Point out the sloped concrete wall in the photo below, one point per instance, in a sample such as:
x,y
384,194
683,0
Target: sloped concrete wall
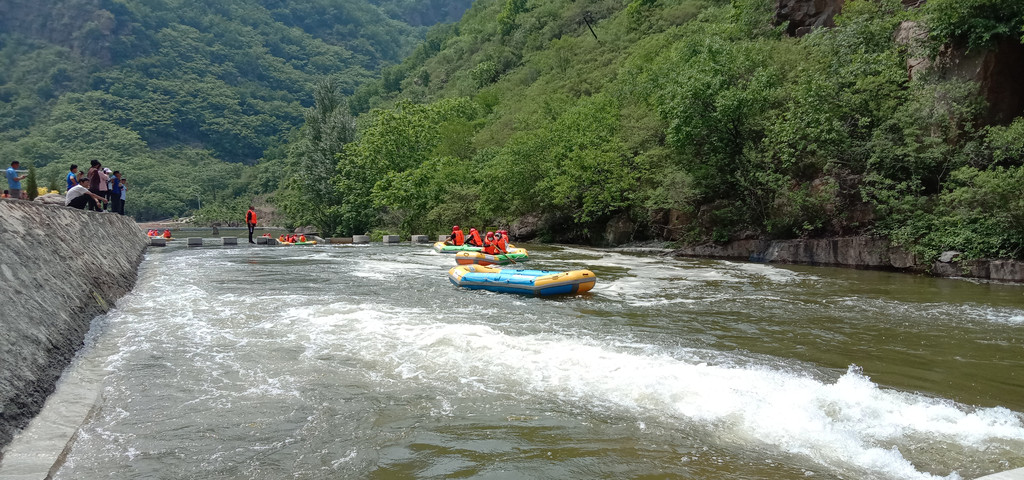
x,y
59,268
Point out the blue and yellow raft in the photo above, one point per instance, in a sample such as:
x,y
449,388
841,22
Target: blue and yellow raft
x,y
524,282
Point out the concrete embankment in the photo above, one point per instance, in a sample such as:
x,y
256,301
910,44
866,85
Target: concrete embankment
x,y
59,268
856,252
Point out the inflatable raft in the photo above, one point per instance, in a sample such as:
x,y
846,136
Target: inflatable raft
x,y
480,258
311,242
525,282
441,247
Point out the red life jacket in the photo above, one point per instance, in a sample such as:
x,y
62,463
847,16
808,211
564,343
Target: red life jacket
x,y
250,217
502,244
167,234
489,247
460,238
302,238
474,239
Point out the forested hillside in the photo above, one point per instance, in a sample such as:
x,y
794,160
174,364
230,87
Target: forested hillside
x,y
181,95
690,120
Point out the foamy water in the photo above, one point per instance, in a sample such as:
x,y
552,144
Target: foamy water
x,y
341,362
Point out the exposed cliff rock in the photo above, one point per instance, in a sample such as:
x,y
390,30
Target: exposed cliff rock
x,y
806,15
998,71
59,268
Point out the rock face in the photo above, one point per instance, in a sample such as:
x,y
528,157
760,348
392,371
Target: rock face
x,y
998,71
859,252
806,15
856,252
59,268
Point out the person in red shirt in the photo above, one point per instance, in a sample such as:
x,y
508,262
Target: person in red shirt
x,y
250,221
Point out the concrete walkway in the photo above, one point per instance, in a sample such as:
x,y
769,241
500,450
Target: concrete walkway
x,y
1015,474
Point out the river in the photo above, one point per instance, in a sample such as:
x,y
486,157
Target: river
x,y
365,362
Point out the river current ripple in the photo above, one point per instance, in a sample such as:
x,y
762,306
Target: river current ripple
x,y
365,362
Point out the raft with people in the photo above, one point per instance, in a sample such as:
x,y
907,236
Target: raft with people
x,y
155,233
294,240
516,255
523,282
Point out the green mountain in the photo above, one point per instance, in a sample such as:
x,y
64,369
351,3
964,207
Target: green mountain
x,y
169,90
694,120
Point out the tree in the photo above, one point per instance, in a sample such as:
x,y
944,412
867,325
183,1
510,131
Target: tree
x,y
313,161
31,183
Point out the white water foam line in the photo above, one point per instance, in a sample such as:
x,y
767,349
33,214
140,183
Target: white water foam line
x,y
848,422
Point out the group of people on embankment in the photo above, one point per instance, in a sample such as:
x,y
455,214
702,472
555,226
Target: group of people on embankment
x,y
493,243
100,190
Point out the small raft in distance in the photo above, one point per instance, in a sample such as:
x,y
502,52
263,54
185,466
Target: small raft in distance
x,y
311,242
523,282
480,258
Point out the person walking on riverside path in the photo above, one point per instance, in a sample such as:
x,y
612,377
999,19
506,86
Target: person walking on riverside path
x,y
250,221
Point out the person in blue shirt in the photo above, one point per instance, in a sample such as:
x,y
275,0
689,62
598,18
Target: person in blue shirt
x,y
13,180
73,176
115,193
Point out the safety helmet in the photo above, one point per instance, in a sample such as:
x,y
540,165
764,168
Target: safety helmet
x,y
455,227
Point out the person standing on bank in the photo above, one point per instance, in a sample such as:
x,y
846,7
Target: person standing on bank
x,y
72,177
14,181
94,179
115,193
250,221
79,196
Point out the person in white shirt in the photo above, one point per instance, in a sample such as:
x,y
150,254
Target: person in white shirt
x,y
79,196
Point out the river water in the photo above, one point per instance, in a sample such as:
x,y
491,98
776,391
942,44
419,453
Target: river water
x,y
365,362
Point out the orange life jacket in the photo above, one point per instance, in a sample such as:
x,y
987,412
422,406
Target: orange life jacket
x,y
502,244
167,234
250,217
302,238
489,246
474,239
460,238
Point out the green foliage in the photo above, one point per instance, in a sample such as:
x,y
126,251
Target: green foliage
x,y
312,161
32,183
133,83
974,24
694,110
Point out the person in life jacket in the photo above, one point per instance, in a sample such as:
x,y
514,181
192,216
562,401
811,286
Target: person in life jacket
x,y
488,244
474,238
283,239
457,238
501,242
250,221
302,238
167,233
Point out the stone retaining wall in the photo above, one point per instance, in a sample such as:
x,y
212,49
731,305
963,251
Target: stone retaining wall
x,y
855,252
59,269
